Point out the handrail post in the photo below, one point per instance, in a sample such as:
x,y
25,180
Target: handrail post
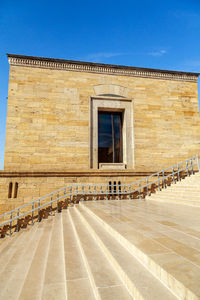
x,y
124,191
38,210
65,199
191,163
129,192
187,168
10,223
83,192
77,194
51,204
163,173
70,197
17,229
173,175
120,190
178,168
32,212
148,186
95,195
140,191
159,182
101,190
89,191
57,202
197,157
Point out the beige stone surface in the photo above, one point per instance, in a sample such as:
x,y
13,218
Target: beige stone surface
x,y
125,249
31,187
154,233
48,119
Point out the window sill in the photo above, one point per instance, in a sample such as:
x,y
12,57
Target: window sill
x,y
112,166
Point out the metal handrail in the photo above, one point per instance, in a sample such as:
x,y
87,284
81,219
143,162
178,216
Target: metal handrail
x,y
98,189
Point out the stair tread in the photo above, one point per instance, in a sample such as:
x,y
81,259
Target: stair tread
x,y
78,283
145,283
54,269
108,212
8,246
32,287
104,277
74,265
19,264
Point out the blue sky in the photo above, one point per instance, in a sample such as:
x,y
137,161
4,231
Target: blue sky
x,y
145,33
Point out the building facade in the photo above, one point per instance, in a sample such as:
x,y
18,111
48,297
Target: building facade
x,y
77,122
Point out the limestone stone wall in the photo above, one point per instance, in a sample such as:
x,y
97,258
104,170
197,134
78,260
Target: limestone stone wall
x,y
48,119
31,188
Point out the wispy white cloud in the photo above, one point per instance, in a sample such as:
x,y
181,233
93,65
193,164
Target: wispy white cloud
x,y
190,19
158,53
192,65
100,55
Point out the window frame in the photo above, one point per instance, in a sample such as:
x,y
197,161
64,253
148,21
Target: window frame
x,y
112,103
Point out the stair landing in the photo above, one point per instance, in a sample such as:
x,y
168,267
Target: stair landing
x,y
106,250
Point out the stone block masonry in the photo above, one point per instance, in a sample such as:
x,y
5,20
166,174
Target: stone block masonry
x,y
50,122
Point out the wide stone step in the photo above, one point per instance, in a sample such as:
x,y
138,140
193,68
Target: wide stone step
x,y
181,195
176,264
33,283
105,281
19,264
78,282
13,245
139,281
176,201
54,283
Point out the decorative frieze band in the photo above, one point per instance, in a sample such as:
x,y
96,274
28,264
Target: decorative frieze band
x,y
96,68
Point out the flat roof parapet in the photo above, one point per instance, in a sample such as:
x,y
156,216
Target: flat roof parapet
x,y
91,67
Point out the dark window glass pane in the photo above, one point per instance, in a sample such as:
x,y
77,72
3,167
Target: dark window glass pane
x,y
109,137
105,148
117,138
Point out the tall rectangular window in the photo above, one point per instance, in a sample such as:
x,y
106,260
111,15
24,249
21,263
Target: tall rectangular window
x,y
110,137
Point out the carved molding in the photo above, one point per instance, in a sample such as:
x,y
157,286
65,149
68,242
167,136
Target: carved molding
x,y
92,68
111,89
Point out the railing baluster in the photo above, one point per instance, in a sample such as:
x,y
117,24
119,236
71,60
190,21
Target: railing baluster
x,y
198,165
83,192
38,210
76,194
95,195
129,192
32,212
101,191
178,169
17,229
10,223
191,163
140,191
65,199
163,173
51,209
147,186
173,175
57,202
187,168
70,197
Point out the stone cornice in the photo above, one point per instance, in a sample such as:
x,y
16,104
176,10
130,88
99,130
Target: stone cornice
x,y
78,66
88,173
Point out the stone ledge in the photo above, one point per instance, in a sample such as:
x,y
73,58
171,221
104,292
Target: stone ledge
x,y
89,67
99,173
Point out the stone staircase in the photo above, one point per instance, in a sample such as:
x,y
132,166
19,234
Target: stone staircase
x,y
186,192
115,249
